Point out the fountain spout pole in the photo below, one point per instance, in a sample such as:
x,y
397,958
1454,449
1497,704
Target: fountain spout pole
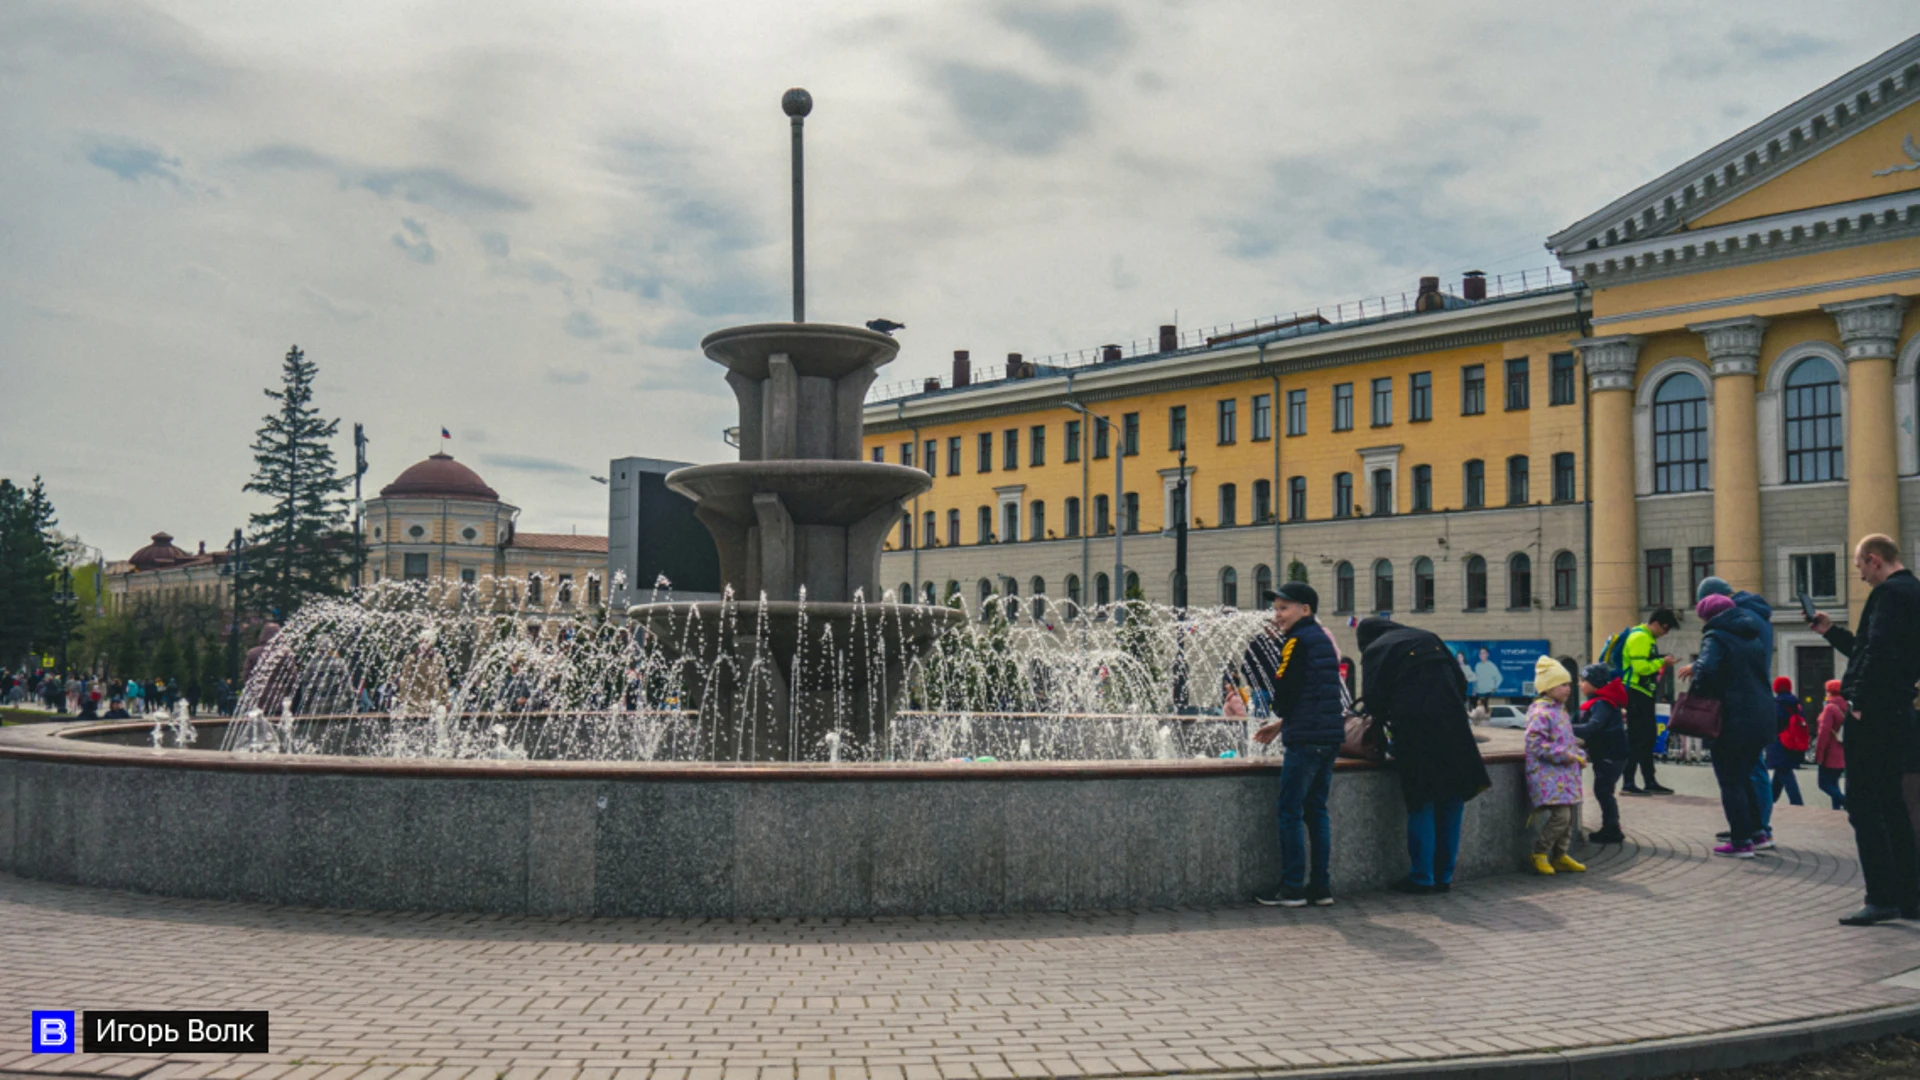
x,y
797,103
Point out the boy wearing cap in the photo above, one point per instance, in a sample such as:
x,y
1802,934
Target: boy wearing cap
x,y
1603,729
1310,724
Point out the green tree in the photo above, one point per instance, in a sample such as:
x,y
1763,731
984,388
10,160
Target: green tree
x,y
29,568
1297,571
298,548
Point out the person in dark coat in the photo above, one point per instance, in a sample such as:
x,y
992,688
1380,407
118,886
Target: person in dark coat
x,y
1780,760
1411,684
1884,663
1732,668
1308,701
1603,728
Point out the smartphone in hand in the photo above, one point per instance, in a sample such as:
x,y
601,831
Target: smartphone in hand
x,y
1806,607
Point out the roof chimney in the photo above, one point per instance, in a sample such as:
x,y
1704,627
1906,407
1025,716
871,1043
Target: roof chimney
x,y
1017,367
1169,337
1474,285
203,547
1109,354
962,369
1429,298
932,385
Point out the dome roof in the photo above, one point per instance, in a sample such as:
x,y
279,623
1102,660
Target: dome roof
x,y
159,553
440,477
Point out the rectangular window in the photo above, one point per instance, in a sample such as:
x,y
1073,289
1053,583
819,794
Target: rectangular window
x,y
1382,402
566,588
983,525
1813,574
953,456
1177,427
1229,504
1561,390
927,534
906,454
1296,412
1517,480
1296,498
1563,486
1473,390
1423,487
953,528
1073,518
593,590
1659,577
1343,407
1343,494
1038,514
1102,432
1517,383
416,566
1420,396
1037,446
878,453
1009,522
1072,449
1262,417
534,584
1130,434
1474,495
468,576
1382,492
1010,452
1262,501
1699,568
984,453
1102,515
906,532
1227,419
931,457
1133,511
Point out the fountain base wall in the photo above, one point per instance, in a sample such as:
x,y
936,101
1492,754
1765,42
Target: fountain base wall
x,y
694,841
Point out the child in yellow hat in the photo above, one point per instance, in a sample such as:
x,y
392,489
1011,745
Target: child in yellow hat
x,y
1553,766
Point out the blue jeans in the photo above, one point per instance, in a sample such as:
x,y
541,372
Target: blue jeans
x,y
1830,783
1433,841
1762,785
1306,775
1734,767
1783,779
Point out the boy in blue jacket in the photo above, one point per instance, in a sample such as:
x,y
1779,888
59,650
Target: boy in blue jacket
x,y
1311,725
1603,728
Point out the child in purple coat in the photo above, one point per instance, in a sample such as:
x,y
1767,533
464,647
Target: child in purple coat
x,y
1553,767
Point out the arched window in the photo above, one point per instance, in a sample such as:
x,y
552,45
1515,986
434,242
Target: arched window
x,y
905,595
1262,581
1680,434
1133,583
1383,586
1476,583
1229,587
1519,581
1102,590
1037,588
928,596
1010,599
1566,580
986,599
953,588
1423,584
1813,422
1343,588
1073,590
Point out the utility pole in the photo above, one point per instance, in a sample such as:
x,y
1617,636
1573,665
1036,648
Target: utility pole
x,y
359,507
232,569
797,103
1180,537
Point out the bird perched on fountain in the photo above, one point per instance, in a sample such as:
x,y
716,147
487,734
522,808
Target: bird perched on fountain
x,y
885,326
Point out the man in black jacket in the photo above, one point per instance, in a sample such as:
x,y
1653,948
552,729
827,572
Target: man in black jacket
x,y
1883,664
1311,725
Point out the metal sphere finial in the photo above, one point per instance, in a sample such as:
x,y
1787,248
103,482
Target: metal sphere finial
x,y
796,102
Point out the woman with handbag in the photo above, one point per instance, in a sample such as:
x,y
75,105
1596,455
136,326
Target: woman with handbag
x,y
1732,670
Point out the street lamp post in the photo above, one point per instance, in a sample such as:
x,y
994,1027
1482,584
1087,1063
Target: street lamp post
x,y
66,599
232,569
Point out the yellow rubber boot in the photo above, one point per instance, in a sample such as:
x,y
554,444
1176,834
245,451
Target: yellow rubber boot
x,y
1541,865
1565,862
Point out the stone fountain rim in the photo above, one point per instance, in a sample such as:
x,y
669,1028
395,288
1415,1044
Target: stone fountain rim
x,y
63,744
723,346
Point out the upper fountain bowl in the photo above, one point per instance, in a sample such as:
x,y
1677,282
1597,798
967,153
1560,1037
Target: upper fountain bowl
x,y
824,350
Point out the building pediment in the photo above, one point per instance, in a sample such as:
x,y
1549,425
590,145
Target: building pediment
x,y
1747,176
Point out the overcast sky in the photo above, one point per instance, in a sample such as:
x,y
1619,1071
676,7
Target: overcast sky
x,y
517,220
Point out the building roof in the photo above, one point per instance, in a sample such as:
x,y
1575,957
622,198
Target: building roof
x,y
559,542
160,552
440,477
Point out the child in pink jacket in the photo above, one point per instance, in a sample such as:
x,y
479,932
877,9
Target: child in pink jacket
x,y
1553,766
1828,755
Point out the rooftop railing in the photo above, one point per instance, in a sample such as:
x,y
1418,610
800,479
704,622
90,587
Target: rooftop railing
x,y
1302,322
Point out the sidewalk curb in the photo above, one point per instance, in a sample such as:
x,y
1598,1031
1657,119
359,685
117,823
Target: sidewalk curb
x,y
1648,1060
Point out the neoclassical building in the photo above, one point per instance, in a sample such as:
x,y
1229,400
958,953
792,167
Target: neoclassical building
x,y
1751,363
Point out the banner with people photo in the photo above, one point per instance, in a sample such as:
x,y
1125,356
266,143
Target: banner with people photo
x,y
1499,668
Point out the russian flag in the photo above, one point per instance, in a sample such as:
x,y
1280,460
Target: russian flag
x,y
445,434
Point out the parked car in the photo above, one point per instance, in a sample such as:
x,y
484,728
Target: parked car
x,y
1507,716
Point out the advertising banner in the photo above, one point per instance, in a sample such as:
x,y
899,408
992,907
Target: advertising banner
x,y
1499,668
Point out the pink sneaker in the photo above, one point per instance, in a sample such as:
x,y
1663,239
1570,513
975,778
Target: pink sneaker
x,y
1763,842
1732,850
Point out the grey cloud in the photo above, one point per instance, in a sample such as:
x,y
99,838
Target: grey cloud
x,y
131,160
646,287
583,325
1081,35
1006,109
566,378
429,186
339,310
495,244
412,239
1773,47
524,463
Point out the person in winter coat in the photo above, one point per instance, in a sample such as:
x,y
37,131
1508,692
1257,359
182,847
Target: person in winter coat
x,y
1603,728
1732,669
1411,684
1829,756
1553,767
1762,780
1790,731
1307,698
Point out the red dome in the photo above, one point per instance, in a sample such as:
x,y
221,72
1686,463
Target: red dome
x,y
440,477
159,553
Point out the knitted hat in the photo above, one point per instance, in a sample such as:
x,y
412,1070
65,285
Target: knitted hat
x,y
1549,673
1712,586
1713,605
1300,593
1597,675
1783,685
1833,687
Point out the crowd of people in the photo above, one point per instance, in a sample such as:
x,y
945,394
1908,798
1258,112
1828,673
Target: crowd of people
x,y
86,696
1414,705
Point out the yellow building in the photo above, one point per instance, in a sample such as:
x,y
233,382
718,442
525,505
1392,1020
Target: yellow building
x,y
1423,462
1752,360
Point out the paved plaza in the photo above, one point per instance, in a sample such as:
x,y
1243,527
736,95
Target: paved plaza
x,y
1658,940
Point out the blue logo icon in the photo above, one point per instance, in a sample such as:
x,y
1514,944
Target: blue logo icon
x,y
53,1031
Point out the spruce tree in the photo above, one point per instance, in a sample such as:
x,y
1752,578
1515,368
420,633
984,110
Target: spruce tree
x,y
297,548
29,569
